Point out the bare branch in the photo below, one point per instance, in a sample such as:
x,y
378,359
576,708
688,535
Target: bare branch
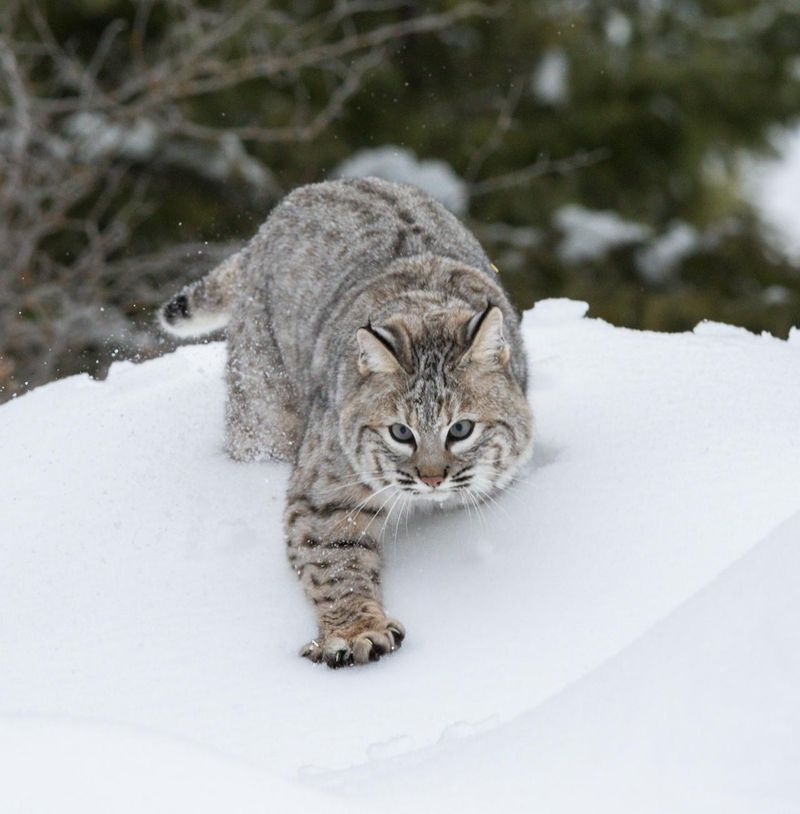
x,y
541,167
209,79
299,133
80,141
505,119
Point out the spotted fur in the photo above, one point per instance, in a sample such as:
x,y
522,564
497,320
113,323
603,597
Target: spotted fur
x,y
360,305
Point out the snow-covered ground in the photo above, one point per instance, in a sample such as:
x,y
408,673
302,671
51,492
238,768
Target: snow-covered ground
x,y
618,633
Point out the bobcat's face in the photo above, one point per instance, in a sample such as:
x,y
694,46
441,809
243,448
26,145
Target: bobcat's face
x,y
438,415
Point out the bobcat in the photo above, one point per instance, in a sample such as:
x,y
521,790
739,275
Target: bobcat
x,y
371,345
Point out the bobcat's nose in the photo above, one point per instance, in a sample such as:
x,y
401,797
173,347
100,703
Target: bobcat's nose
x,y
432,478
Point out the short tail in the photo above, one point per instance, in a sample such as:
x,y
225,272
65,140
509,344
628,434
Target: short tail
x,y
203,306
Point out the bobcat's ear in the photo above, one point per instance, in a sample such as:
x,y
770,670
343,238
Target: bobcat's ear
x,y
376,352
486,341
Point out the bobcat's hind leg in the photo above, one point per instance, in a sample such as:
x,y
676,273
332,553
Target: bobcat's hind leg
x,y
261,418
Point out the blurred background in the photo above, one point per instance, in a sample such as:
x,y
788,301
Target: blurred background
x,y
640,155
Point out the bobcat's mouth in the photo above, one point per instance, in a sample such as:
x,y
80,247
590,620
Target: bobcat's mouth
x,y
438,496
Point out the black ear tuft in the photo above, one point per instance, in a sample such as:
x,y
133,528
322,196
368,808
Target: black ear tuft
x,y
176,309
384,336
376,350
487,343
475,322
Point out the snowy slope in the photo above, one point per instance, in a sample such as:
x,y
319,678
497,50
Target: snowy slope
x,y
621,626
699,715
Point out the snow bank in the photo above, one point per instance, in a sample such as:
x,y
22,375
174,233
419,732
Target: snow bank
x,y
589,234
393,163
618,632
772,184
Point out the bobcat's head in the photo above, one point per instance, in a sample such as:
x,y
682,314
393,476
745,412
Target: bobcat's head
x,y
437,412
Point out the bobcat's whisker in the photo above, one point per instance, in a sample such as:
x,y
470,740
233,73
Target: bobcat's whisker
x,y
478,509
341,484
486,494
360,507
397,499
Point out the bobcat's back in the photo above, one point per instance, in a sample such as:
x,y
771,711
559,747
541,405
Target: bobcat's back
x,y
326,242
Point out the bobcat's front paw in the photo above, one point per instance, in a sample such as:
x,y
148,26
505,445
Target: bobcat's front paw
x,y
340,648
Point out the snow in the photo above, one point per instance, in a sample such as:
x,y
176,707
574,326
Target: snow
x,y
102,768
618,28
772,184
393,163
590,234
550,80
698,715
98,138
618,632
656,261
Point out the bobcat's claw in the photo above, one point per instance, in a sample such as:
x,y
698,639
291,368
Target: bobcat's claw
x,y
368,645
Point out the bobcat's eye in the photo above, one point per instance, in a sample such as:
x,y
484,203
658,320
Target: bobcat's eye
x,y
401,433
461,430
